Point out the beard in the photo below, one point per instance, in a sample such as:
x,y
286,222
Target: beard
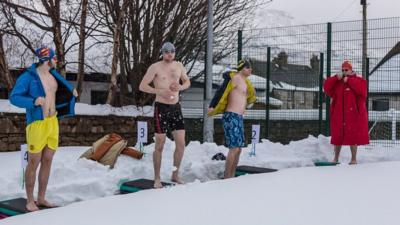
x,y
52,64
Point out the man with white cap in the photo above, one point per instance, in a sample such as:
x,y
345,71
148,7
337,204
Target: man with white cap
x,y
166,76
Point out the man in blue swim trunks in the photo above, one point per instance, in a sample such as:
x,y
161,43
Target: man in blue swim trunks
x,y
239,96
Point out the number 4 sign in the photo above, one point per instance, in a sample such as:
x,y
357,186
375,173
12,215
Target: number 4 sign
x,y
24,156
24,162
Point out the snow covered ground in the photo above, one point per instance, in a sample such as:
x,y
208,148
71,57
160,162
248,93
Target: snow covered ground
x,y
86,109
79,180
366,194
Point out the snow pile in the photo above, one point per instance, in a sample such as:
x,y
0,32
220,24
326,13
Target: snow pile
x,y
77,180
347,195
86,109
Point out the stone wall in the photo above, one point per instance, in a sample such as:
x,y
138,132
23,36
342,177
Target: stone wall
x,y
77,131
84,130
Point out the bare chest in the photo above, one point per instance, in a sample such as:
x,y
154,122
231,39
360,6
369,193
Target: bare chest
x,y
49,83
168,74
241,88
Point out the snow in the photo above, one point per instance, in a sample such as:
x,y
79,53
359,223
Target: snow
x,y
272,101
77,180
386,78
105,110
298,193
86,109
217,70
147,111
289,87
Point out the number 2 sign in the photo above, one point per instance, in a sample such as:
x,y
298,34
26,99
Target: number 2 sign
x,y
255,133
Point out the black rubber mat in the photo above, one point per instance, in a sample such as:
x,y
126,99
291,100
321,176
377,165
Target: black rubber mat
x,y
254,170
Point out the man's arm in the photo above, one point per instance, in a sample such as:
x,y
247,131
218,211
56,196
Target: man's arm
x,y
185,79
235,81
330,83
147,79
19,94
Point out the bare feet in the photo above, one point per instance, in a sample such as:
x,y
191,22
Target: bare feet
x,y
352,162
157,183
177,180
31,207
45,203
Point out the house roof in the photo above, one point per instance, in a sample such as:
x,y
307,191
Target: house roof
x,y
386,77
296,75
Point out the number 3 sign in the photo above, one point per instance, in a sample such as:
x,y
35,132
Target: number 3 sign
x,y
142,131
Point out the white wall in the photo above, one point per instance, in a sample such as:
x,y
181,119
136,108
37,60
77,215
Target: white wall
x,y
88,87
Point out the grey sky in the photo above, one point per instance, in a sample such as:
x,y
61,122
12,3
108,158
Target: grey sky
x,y
321,11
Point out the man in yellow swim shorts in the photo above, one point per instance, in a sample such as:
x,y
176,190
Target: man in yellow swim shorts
x,y
47,97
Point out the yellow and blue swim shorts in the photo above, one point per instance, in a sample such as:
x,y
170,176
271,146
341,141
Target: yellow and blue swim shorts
x,y
42,133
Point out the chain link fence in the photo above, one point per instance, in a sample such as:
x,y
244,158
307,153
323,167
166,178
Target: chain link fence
x,y
290,64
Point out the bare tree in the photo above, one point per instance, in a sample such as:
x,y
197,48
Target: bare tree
x,y
82,38
48,22
134,29
120,18
152,22
4,71
5,74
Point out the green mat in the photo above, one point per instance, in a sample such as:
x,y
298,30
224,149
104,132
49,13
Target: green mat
x,y
242,170
13,207
138,185
325,163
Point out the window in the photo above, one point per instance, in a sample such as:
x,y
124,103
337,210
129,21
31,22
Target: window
x,y
3,93
98,97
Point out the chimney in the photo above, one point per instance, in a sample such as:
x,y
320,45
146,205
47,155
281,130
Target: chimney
x,y
314,63
281,60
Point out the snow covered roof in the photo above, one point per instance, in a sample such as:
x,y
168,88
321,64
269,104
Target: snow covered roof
x,y
386,79
272,101
257,81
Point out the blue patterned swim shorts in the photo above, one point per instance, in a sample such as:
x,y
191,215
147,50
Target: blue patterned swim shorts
x,y
234,130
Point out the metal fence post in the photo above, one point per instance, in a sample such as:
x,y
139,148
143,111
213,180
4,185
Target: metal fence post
x,y
267,88
208,122
321,94
367,78
240,45
328,74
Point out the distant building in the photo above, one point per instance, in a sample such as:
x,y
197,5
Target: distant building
x,y
296,86
94,89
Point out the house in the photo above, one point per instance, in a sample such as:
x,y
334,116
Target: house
x,y
296,86
384,85
194,96
94,87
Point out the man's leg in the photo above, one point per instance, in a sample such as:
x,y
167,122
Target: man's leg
x,y
179,137
337,153
235,163
44,173
157,155
353,149
30,177
230,162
